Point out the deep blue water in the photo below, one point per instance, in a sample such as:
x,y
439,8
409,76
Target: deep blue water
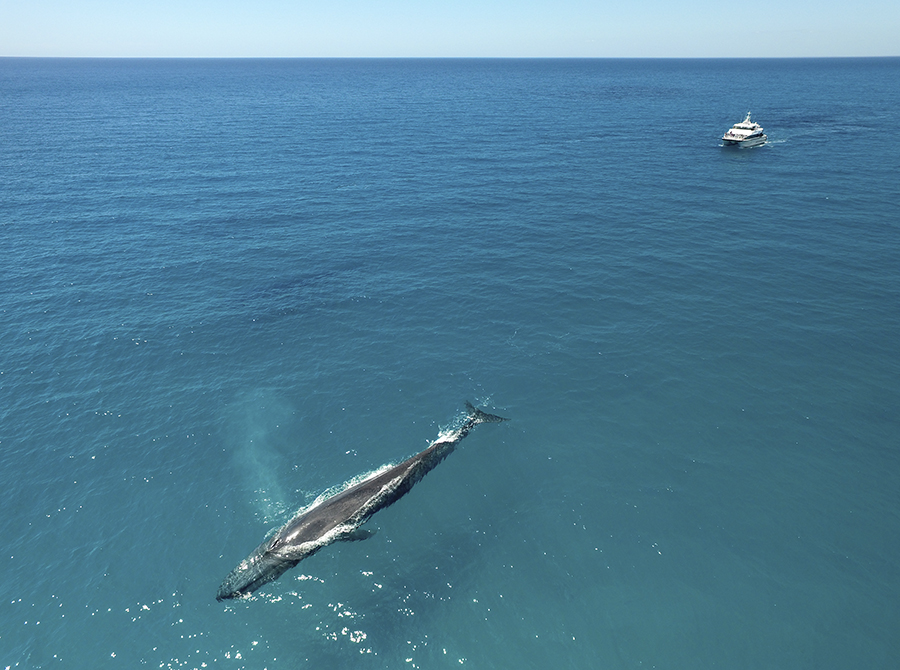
x,y
228,286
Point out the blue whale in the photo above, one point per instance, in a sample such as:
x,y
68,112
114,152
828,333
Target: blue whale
x,y
340,516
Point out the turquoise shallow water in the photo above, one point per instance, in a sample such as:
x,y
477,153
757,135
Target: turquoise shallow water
x,y
228,286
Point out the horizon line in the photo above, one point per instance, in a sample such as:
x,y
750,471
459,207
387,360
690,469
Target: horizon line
x,y
448,57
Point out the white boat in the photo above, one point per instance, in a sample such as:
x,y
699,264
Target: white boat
x,y
744,134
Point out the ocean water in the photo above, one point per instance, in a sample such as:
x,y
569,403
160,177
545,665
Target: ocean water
x,y
228,286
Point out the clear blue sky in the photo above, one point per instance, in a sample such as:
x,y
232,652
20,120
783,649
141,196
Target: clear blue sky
x,y
425,28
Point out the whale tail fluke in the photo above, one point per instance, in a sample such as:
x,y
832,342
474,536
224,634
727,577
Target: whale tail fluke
x,y
482,417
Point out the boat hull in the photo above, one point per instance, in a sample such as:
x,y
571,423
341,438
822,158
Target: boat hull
x,y
747,143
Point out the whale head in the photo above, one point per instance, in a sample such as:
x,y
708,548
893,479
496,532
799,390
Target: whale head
x,y
264,565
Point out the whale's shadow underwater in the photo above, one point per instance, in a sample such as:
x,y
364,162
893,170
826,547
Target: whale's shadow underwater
x,y
340,516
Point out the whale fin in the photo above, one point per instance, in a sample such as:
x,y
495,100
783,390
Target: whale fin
x,y
357,535
482,417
